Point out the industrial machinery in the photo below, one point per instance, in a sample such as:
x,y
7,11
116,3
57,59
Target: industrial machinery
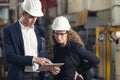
x,y
108,50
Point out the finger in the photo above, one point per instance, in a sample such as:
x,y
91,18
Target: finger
x,y
48,61
56,68
43,62
54,72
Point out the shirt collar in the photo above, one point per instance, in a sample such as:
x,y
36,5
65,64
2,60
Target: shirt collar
x,y
25,28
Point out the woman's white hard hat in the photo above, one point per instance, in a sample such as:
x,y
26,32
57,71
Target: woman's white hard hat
x,y
33,7
61,23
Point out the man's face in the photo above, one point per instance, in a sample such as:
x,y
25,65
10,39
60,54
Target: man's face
x,y
29,20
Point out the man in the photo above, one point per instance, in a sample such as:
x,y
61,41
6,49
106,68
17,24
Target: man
x,y
22,44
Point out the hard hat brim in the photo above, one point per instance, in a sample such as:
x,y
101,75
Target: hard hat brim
x,y
36,14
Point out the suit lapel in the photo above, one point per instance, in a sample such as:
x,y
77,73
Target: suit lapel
x,y
38,38
19,34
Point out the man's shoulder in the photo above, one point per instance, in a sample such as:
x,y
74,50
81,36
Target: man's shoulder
x,y
12,25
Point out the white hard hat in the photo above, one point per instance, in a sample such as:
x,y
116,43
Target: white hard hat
x,y
61,23
33,7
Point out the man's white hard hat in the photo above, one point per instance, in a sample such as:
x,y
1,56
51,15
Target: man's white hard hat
x,y
33,7
61,23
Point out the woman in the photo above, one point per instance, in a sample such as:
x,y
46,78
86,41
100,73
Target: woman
x,y
68,49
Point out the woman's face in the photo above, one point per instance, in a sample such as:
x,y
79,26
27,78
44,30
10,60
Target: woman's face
x,y
60,36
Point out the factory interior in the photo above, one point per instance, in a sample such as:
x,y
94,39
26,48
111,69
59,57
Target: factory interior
x,y
96,21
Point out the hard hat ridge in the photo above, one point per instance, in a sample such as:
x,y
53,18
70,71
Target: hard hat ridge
x,y
33,7
61,23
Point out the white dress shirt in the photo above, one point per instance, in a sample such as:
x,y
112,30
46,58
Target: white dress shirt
x,y
30,45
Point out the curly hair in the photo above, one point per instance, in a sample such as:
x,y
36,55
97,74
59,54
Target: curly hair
x,y
72,36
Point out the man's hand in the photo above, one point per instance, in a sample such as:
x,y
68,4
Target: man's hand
x,y
41,60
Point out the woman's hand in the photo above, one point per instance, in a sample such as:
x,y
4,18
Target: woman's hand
x,y
78,75
55,70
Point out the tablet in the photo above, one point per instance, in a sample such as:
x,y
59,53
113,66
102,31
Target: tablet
x,y
47,67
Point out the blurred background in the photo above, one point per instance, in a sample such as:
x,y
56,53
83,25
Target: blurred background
x,y
96,21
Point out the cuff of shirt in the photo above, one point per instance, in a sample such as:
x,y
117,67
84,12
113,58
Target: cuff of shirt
x,y
33,59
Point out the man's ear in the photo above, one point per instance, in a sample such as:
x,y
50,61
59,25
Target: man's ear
x,y
23,13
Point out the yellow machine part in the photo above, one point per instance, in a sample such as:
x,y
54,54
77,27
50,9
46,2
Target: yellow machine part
x,y
103,51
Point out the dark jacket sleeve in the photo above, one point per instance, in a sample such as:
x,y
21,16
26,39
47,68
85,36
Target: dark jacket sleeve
x,y
87,58
12,48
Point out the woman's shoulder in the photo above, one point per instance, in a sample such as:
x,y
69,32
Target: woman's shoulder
x,y
75,44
